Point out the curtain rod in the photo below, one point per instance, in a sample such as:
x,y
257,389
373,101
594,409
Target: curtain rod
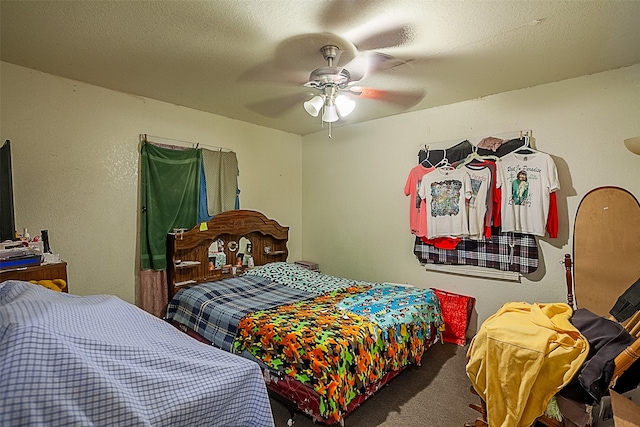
x,y
475,140
147,137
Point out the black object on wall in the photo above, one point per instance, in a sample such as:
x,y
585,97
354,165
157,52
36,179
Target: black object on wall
x,y
463,149
7,217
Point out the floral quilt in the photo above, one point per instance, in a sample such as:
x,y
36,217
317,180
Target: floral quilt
x,y
336,352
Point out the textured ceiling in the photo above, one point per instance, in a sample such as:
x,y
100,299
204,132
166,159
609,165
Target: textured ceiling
x,y
248,60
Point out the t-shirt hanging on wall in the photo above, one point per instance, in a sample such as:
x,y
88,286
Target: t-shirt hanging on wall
x,y
478,202
444,192
526,180
417,216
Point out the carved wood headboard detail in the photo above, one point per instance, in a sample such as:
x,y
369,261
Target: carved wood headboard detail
x,y
188,252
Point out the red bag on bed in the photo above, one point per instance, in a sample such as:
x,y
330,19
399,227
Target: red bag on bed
x,y
456,313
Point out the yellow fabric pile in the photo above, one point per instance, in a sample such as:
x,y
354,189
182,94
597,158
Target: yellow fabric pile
x,y
55,285
521,357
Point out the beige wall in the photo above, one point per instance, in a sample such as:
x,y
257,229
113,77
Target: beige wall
x,y
355,214
75,150
75,157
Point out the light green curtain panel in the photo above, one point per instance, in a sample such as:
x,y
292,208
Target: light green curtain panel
x,y
169,199
221,176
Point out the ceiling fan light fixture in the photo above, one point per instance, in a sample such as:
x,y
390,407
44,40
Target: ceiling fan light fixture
x,y
330,114
314,105
345,105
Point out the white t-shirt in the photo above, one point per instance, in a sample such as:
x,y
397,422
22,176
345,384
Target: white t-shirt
x,y
444,192
526,180
477,204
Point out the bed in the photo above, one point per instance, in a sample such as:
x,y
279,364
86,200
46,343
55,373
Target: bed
x,y
324,344
70,360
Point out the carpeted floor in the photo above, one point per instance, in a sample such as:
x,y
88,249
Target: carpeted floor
x,y
435,394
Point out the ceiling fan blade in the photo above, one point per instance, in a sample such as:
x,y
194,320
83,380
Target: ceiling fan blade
x,y
343,16
304,51
396,36
404,99
340,14
369,63
276,107
353,90
270,72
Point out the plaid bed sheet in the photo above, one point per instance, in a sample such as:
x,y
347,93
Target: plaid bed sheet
x,y
504,251
214,309
76,361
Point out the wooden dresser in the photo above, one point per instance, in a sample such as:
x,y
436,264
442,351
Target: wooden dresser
x,y
38,272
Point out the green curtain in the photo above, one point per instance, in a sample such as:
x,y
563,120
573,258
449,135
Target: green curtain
x,y
169,199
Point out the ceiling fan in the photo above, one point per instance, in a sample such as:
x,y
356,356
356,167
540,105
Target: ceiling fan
x,y
330,81
337,84
334,88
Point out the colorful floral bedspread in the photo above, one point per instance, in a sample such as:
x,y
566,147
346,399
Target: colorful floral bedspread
x,y
392,306
337,353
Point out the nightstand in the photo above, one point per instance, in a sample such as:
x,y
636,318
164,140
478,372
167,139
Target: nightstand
x,y
52,271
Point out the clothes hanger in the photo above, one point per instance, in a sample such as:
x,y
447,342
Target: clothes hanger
x,y
526,147
444,164
475,156
426,159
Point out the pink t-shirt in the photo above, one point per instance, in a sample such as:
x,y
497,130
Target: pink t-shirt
x,y
417,213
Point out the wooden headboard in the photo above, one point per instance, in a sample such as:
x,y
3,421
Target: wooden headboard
x,y
188,252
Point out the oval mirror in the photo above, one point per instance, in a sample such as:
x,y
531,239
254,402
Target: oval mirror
x,y
245,246
213,249
232,245
606,248
245,250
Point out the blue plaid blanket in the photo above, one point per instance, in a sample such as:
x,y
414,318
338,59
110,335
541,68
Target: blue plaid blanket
x,y
214,309
98,361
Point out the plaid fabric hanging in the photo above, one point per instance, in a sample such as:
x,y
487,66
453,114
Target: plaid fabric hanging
x,y
503,251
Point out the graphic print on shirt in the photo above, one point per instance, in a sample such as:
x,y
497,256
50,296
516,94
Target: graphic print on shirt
x,y
527,183
445,197
476,183
519,177
418,198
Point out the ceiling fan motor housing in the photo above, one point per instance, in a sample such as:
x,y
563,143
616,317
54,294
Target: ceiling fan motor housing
x,y
329,76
